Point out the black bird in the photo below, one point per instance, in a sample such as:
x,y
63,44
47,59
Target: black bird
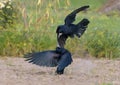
x,y
60,57
69,29
51,58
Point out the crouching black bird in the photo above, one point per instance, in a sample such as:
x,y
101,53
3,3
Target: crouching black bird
x,y
51,58
69,29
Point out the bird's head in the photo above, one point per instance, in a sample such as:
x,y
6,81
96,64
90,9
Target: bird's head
x,y
60,29
60,50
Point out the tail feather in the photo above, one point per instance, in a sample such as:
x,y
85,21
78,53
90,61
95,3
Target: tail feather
x,y
82,25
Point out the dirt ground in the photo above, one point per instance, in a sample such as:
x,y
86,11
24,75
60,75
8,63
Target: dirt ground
x,y
16,71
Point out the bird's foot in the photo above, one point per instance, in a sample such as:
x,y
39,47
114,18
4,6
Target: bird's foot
x,y
59,72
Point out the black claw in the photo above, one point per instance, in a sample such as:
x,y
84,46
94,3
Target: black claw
x,y
59,72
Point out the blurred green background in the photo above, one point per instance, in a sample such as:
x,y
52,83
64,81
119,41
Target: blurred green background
x,y
30,25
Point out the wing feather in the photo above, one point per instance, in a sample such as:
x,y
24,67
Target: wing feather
x,y
71,17
45,58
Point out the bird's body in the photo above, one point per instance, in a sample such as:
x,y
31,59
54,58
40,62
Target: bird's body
x,y
69,29
51,58
61,57
64,61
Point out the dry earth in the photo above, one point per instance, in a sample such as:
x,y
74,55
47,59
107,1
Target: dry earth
x,y
109,6
16,71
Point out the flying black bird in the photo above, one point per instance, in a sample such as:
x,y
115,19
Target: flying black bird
x,y
69,29
51,58
60,57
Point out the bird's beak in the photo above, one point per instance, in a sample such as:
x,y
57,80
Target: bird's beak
x,y
59,34
58,45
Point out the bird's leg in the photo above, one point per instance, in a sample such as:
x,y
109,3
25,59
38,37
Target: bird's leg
x,y
58,71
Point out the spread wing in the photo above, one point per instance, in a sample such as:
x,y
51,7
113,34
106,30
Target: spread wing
x,y
71,17
45,58
61,39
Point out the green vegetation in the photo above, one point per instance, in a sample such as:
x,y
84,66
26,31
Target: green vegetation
x,y
103,43
8,15
106,84
34,29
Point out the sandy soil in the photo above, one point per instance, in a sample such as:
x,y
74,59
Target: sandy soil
x,y
16,71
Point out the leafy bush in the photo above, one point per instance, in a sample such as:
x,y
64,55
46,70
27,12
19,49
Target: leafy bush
x,y
103,43
36,30
8,14
35,33
18,43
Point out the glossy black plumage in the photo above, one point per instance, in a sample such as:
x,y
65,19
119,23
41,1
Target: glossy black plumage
x,y
65,60
44,58
71,17
69,29
59,57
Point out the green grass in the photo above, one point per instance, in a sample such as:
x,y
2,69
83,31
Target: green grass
x,y
36,32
